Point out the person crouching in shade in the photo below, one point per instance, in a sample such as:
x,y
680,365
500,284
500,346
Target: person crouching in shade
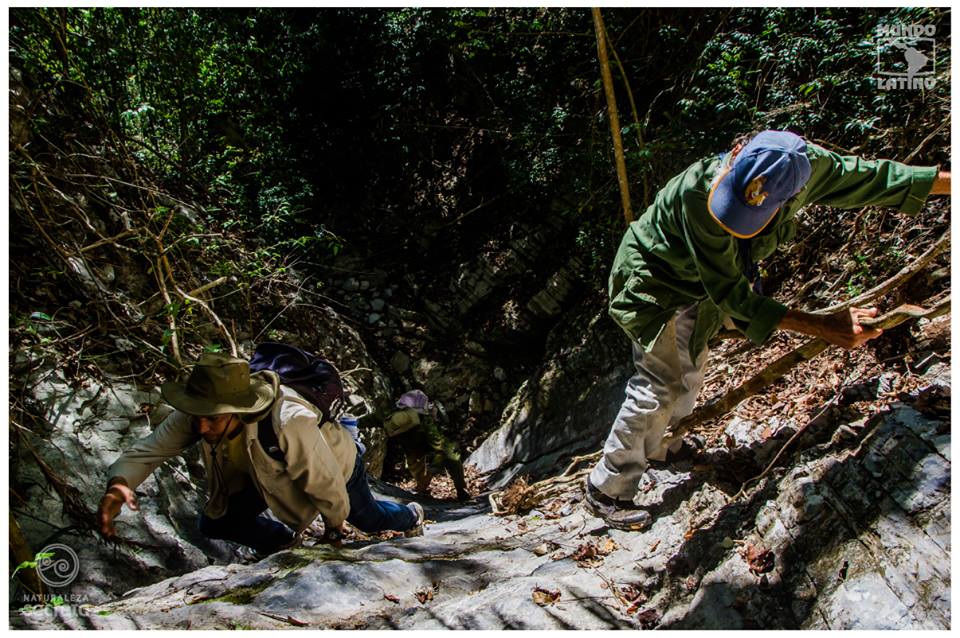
x,y
221,407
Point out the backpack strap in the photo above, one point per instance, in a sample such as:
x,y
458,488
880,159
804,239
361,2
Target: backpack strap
x,y
267,436
267,433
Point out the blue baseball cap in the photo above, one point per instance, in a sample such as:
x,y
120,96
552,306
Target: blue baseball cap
x,y
767,172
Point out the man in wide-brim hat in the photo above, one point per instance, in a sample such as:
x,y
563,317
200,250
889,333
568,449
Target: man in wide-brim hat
x,y
221,406
688,265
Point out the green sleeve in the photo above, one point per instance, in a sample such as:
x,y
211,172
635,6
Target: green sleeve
x,y
714,253
846,181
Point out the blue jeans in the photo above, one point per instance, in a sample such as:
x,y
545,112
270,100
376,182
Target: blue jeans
x,y
370,515
242,523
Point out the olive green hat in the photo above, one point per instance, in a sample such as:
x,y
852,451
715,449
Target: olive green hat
x,y
219,384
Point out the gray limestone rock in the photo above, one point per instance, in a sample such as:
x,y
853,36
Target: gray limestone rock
x,y
658,486
564,408
845,532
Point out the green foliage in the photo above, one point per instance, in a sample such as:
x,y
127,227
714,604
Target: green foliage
x,y
307,128
808,70
32,564
202,95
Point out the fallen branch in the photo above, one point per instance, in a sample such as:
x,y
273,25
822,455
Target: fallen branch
x,y
287,619
205,287
110,240
867,297
213,316
897,280
787,362
527,496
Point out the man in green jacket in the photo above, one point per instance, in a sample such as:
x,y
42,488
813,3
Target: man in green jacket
x,y
687,264
221,407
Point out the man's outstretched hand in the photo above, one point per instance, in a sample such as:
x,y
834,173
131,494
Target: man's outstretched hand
x,y
941,186
118,494
841,328
845,330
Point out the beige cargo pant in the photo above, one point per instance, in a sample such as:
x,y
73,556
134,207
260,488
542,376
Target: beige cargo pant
x,y
663,391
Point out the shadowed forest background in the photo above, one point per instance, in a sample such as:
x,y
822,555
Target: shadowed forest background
x,y
427,197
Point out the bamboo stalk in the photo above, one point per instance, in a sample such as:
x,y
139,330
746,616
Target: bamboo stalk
x,y
636,116
612,112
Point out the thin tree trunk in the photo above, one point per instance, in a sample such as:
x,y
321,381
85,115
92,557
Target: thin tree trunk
x,y
636,118
612,111
20,552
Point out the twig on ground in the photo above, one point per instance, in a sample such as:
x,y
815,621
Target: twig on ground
x,y
897,280
787,362
205,287
346,373
780,452
287,619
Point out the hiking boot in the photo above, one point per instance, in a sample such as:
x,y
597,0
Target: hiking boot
x,y
690,447
417,529
293,543
615,512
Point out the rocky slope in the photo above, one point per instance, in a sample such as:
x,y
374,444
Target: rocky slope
x,y
852,530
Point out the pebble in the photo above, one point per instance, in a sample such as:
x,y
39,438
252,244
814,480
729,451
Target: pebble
x,y
400,362
377,304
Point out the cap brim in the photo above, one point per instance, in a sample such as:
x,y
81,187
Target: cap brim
x,y
257,399
736,218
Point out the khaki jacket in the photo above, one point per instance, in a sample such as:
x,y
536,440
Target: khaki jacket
x,y
311,480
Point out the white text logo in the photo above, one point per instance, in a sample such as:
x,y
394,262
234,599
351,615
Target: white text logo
x,y
906,56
